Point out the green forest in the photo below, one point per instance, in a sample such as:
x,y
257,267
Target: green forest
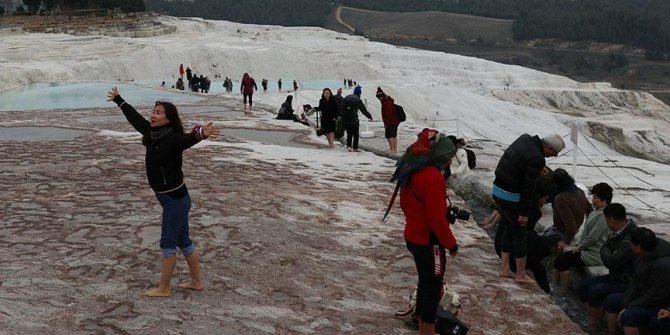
x,y
33,6
275,12
639,23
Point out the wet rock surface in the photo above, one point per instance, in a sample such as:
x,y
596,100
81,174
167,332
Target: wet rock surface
x,y
290,240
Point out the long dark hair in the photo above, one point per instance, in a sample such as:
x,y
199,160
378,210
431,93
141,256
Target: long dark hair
x,y
172,115
323,94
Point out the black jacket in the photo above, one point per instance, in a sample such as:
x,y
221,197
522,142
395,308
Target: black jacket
x,y
617,256
519,167
651,283
164,155
351,104
329,109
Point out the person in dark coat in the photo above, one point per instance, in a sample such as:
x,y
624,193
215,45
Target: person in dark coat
x,y
286,109
390,120
617,256
570,206
351,104
329,114
247,88
165,141
538,246
650,287
515,176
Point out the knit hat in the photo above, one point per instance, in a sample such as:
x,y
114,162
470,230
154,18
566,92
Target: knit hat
x,y
380,92
358,90
554,141
431,148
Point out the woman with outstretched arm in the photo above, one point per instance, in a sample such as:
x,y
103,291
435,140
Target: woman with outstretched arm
x,y
165,141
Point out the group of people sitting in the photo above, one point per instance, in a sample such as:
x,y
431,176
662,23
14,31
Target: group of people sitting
x,y
634,294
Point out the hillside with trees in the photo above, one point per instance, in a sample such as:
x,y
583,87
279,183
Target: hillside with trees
x,y
34,6
638,23
275,12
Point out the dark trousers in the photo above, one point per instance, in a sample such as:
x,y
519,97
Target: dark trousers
x,y
514,237
430,263
245,98
566,260
594,290
352,134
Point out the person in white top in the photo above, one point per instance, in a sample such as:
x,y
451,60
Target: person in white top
x,y
459,165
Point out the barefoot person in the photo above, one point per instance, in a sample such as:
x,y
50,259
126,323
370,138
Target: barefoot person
x,y
515,176
165,141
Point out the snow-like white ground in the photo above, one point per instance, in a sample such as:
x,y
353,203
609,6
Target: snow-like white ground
x,y
359,275
436,89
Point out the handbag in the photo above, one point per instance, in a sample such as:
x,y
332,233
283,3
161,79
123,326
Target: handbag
x,y
448,324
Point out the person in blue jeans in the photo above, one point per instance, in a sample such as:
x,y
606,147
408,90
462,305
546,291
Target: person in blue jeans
x,y
165,141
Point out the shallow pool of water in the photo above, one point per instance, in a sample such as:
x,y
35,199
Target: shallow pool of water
x,y
40,134
47,96
283,138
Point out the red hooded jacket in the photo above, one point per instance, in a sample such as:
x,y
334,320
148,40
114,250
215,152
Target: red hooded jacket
x,y
248,84
388,111
423,199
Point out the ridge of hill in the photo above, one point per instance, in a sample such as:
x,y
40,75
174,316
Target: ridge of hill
x,y
492,39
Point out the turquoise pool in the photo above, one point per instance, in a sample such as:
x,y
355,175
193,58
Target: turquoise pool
x,y
48,96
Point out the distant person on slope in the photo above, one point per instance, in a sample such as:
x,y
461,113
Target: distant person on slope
x,y
165,141
515,176
247,88
181,70
351,104
279,84
390,120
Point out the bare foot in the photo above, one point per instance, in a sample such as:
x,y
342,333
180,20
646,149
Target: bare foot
x,y
191,286
157,293
507,275
524,280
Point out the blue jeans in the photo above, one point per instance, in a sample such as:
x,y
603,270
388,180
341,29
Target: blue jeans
x,y
174,227
594,290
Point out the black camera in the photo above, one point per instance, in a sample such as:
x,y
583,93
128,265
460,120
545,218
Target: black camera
x,y
454,213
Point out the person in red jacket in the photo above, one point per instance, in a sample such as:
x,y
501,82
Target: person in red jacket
x,y
390,120
423,199
247,88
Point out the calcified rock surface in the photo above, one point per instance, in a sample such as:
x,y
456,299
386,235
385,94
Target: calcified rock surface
x,y
290,239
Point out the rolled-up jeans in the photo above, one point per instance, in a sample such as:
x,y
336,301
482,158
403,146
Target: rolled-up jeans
x,y
514,236
174,227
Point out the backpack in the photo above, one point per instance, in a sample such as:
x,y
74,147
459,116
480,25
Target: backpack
x,y
348,113
400,113
472,159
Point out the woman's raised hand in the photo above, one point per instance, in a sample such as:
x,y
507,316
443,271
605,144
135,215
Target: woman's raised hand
x,y
112,94
210,131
